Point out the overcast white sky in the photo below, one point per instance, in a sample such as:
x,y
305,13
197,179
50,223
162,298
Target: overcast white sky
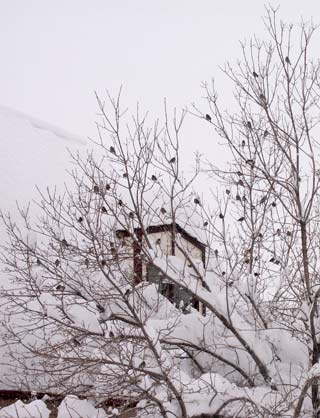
x,y
54,54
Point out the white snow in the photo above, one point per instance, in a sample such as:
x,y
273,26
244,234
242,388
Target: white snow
x,y
73,407
32,153
34,409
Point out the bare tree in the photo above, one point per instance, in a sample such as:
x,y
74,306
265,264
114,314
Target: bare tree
x,y
105,305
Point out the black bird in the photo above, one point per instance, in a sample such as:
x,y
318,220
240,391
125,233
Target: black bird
x,y
112,150
239,173
228,191
205,224
243,143
76,342
142,365
158,242
111,334
173,160
196,201
244,198
108,187
289,233
80,219
57,262
265,134
256,274
120,202
223,273
287,60
255,74
100,308
38,262
241,219
260,235
103,263
125,175
131,215
238,197
103,209
262,97
96,189
272,260
216,253
273,204
277,262
64,243
153,177
263,200
221,216
249,125
240,183
127,293
208,117
278,232
60,287
86,262
163,211
250,161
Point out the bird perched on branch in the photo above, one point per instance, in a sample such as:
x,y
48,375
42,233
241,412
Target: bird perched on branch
x,y
196,201
163,211
241,219
208,117
112,150
255,75
153,177
287,60
173,160
249,125
64,243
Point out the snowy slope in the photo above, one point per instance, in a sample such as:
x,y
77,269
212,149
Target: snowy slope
x,y
31,153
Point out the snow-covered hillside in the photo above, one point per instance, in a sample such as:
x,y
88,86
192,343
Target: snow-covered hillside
x,y
32,153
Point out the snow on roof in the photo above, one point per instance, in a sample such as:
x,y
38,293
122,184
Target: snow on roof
x,y
151,229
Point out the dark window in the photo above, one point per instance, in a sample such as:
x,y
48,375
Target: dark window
x,y
176,294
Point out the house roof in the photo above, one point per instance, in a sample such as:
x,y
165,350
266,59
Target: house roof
x,y
152,229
